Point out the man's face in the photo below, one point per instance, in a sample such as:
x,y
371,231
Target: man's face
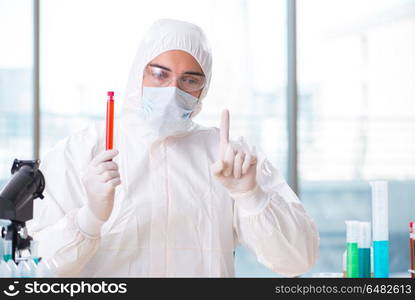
x,y
177,62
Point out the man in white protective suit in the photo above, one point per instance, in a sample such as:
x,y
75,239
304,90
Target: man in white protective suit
x,y
174,199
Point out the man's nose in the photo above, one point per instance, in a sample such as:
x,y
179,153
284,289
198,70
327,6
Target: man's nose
x,y
174,83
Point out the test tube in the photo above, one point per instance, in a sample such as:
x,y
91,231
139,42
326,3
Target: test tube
x,y
352,260
364,242
7,253
110,121
3,224
380,228
412,248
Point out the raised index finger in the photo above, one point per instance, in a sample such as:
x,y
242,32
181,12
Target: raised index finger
x,y
224,128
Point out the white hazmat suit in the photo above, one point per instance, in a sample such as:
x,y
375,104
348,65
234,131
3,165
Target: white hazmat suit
x,y
171,217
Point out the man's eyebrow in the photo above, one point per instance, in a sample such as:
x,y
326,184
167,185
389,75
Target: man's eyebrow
x,y
194,73
187,72
159,66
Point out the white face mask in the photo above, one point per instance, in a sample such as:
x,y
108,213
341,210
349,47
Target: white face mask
x,y
167,110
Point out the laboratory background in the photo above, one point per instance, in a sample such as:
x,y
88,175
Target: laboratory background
x,y
326,88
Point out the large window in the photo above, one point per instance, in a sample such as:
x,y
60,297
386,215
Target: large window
x,y
356,70
16,97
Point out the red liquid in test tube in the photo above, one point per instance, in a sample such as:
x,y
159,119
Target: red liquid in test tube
x,y
110,122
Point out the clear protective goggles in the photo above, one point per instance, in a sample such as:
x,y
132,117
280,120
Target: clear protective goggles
x,y
188,82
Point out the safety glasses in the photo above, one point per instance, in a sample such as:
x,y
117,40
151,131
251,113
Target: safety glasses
x,y
188,82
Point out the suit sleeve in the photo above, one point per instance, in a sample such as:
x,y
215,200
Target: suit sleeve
x,y
272,223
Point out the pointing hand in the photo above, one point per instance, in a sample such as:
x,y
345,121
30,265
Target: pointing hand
x,y
235,169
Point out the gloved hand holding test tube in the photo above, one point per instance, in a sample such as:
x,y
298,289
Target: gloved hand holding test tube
x,y
102,175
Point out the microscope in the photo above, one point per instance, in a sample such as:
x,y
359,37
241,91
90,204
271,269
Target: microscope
x,y
16,203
